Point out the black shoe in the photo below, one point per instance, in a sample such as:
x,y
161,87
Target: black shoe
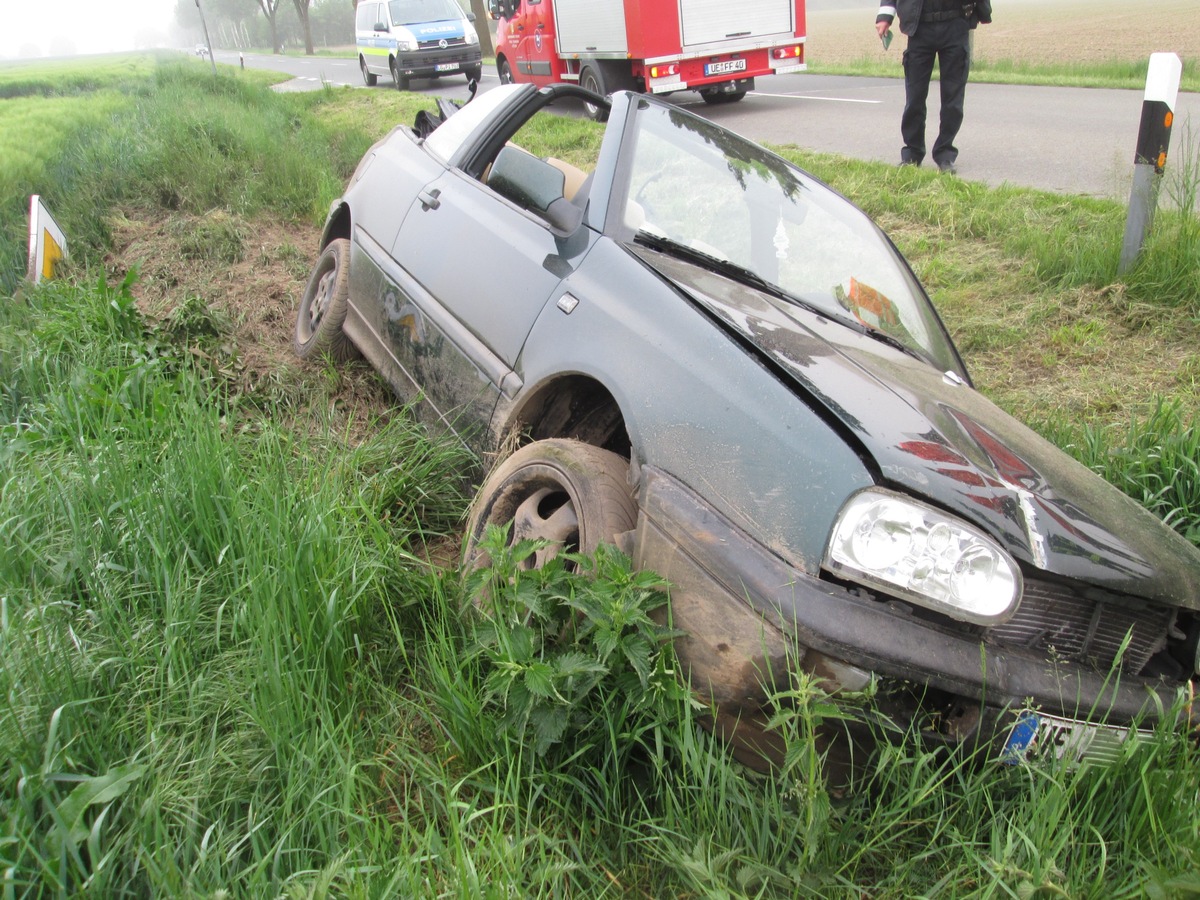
x,y
915,163
947,168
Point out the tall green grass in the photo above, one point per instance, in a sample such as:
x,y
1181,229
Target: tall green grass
x,y
194,677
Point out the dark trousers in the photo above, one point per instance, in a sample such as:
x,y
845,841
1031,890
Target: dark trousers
x,y
950,43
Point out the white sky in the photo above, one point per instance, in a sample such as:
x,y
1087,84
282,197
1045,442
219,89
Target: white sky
x,y
62,27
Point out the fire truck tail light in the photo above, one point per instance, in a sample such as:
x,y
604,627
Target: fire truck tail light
x,y
663,71
788,52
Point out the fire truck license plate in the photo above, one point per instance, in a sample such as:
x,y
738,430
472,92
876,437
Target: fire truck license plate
x,y
729,65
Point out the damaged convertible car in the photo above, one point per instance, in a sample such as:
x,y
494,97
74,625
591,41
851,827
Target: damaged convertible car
x,y
708,357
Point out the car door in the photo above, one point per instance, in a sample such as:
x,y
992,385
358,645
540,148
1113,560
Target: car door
x,y
534,26
477,270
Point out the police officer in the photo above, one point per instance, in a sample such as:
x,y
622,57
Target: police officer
x,y
938,29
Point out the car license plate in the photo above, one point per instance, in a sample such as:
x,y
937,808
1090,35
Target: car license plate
x,y
1036,735
729,65
446,67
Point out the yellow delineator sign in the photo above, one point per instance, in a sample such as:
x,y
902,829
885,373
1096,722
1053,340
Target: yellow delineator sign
x,y
47,243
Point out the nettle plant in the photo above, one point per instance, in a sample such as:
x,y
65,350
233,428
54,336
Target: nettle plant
x,y
572,645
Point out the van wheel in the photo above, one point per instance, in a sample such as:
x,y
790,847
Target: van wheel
x,y
504,70
712,97
369,78
591,79
473,73
401,80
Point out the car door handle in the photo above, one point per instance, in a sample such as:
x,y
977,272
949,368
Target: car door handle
x,y
429,198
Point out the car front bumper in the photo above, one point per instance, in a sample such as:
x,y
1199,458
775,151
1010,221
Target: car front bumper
x,y
748,614
430,62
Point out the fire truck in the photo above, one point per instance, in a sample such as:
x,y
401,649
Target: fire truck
x,y
715,47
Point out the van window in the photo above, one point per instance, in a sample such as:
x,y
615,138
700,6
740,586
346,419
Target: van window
x,y
368,15
407,12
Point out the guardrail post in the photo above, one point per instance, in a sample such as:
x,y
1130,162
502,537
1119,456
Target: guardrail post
x,y
1154,136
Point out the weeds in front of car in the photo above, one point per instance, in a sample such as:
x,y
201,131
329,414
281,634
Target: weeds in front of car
x,y
1156,461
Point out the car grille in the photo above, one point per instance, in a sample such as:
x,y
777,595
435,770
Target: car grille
x,y
1055,619
435,44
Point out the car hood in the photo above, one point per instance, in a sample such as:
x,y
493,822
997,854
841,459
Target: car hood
x,y
935,437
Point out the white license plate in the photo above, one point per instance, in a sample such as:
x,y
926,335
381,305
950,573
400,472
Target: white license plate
x,y
446,67
1037,735
722,68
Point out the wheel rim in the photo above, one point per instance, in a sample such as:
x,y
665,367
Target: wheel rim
x,y
362,64
547,514
505,73
590,84
322,297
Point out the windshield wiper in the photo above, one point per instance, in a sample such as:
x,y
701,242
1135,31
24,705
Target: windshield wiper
x,y
717,264
892,341
750,278
732,270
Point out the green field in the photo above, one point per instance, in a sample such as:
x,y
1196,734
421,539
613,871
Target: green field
x,y
231,665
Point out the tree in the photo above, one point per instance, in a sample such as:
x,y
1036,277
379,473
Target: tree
x,y
270,8
302,12
483,26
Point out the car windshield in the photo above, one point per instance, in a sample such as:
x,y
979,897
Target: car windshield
x,y
408,12
703,190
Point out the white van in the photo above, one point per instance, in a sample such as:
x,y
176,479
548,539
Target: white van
x,y
403,39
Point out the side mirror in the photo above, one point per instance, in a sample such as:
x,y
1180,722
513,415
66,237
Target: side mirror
x,y
535,185
470,17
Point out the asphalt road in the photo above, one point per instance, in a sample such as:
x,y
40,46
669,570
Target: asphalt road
x,y
1068,140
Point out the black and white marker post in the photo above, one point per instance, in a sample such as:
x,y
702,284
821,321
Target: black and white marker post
x,y
1154,136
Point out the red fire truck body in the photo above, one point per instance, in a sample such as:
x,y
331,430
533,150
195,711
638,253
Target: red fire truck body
x,y
659,46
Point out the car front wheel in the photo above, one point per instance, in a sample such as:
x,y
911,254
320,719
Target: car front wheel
x,y
324,305
504,70
571,494
400,80
369,78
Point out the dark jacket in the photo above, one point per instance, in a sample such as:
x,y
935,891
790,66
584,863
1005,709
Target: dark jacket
x,y
980,11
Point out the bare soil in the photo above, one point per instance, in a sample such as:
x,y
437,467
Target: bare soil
x,y
251,277
1034,31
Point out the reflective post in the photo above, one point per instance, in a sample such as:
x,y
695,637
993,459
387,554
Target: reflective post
x,y
1154,136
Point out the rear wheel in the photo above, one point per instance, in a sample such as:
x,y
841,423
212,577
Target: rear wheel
x,y
473,73
369,78
323,307
504,70
716,96
592,79
571,494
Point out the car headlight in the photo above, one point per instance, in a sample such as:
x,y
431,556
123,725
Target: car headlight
x,y
911,550
471,35
404,46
